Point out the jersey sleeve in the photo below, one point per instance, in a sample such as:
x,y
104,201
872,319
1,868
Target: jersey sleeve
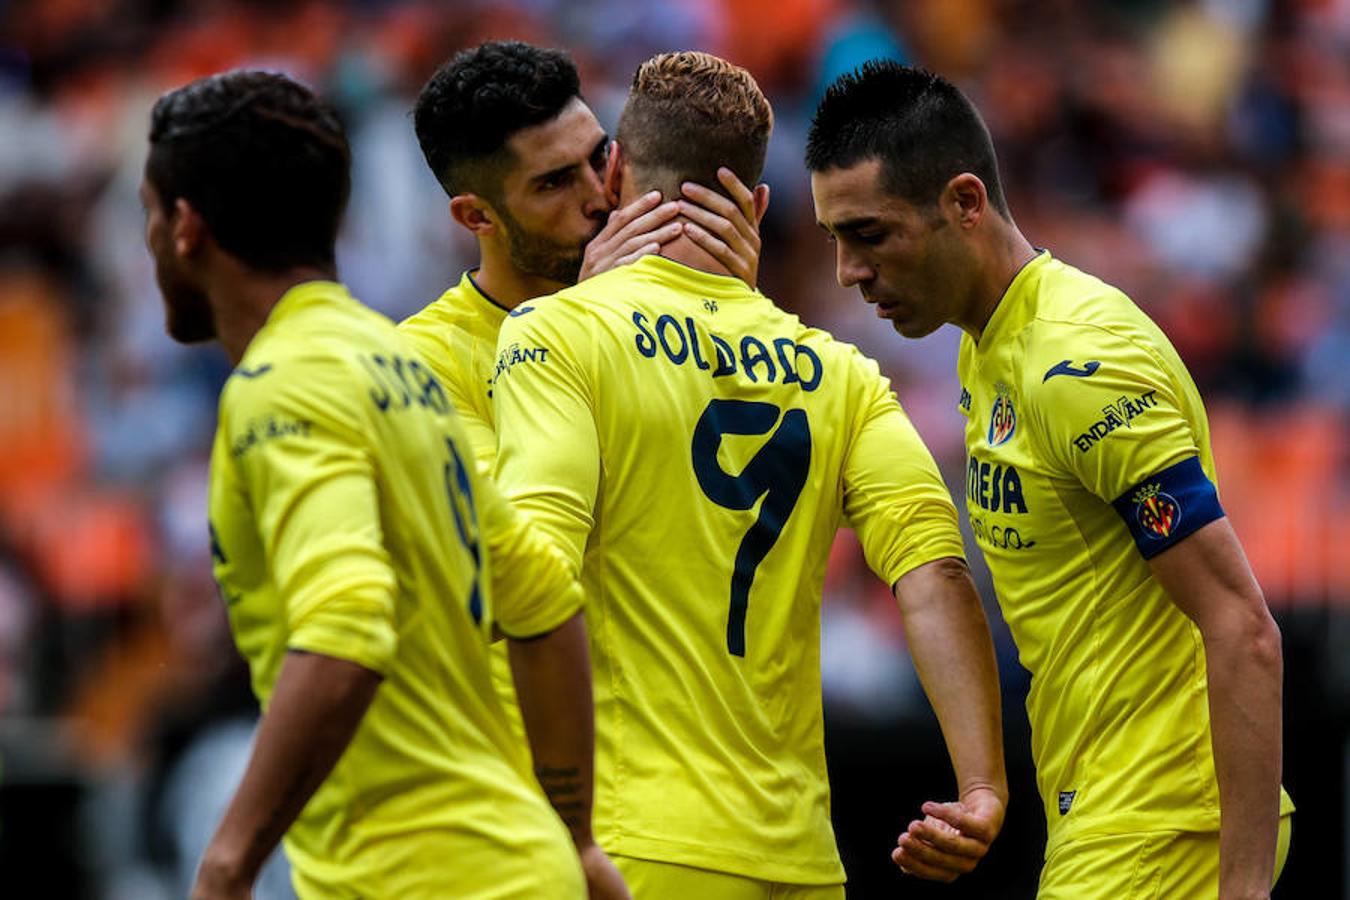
x,y
533,589
1110,413
548,452
310,482
894,497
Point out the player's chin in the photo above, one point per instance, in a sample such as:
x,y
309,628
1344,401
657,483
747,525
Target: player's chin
x,y
190,325
911,328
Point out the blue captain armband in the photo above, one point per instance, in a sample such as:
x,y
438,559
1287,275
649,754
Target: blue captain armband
x,y
1167,507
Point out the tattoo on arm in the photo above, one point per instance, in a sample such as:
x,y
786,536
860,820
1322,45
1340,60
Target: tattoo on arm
x,y
563,789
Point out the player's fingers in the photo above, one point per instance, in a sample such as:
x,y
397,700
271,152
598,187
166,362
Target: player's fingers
x,y
644,250
957,816
712,221
914,852
626,214
740,193
920,868
662,235
711,200
948,840
620,229
710,242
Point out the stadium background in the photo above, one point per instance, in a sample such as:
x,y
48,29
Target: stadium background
x,y
1196,154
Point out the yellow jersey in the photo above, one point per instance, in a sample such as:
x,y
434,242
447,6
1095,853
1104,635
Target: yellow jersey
x,y
456,335
1087,453
693,449
347,519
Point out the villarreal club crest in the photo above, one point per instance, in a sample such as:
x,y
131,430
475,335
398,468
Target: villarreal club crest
x,y
1158,512
1003,420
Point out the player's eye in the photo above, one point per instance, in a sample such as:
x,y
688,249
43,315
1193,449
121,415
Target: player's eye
x,y
555,181
871,238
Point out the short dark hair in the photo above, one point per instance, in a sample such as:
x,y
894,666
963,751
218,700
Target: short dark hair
x,y
263,160
474,103
688,114
919,125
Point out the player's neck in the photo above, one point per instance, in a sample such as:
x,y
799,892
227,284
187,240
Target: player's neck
x,y
683,250
241,304
1004,257
509,287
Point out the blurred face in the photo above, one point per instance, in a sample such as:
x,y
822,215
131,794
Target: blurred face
x,y
553,200
907,260
187,314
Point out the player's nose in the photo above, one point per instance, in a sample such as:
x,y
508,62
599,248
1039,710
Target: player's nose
x,y
596,205
850,268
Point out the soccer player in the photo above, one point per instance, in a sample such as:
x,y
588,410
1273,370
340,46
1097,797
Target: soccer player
x,y
505,130
362,558
1156,667
521,156
694,449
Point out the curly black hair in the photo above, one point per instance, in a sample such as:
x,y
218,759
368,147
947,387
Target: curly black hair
x,y
921,127
474,103
263,160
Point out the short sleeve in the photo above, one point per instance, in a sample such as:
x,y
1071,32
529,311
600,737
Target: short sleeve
x,y
1110,412
548,451
894,496
311,485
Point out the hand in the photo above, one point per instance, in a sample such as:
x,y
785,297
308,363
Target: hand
x,y
603,881
727,229
632,232
952,837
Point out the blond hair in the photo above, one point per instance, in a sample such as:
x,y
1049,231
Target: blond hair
x,y
689,113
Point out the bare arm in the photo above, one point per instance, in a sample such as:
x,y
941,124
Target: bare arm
x,y
954,656
553,685
316,707
1208,578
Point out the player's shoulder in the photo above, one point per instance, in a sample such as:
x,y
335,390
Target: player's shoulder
x,y
463,307
558,313
1080,323
312,360
1067,299
431,320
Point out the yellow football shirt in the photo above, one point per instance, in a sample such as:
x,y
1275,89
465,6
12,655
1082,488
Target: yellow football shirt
x,y
348,520
456,335
693,449
1087,453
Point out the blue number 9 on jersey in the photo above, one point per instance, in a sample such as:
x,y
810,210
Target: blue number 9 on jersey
x,y
779,468
459,492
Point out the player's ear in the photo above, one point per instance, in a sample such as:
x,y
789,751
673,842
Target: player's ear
x,y
187,229
964,199
474,213
613,173
761,199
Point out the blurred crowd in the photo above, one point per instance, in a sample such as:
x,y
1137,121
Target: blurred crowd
x,y
1195,154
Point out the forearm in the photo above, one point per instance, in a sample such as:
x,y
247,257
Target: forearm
x,y
316,707
1245,669
953,654
1207,576
553,685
